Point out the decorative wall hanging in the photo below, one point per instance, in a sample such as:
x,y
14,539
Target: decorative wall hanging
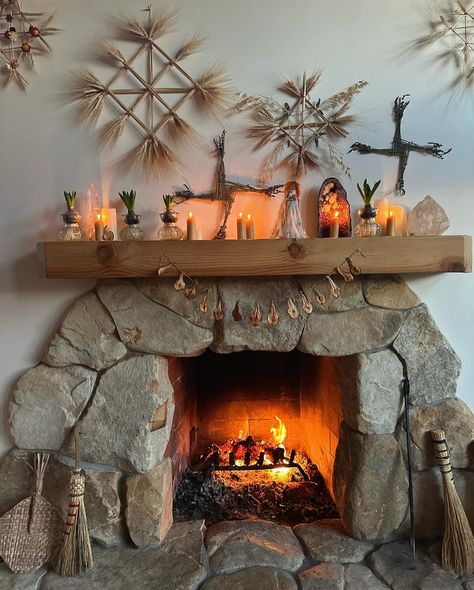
x,y
152,110
333,201
304,134
400,147
22,39
224,190
450,31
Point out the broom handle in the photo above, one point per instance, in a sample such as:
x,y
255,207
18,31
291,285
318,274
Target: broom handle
x,y
441,452
77,448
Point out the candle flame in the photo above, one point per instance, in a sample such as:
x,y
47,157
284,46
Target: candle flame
x,y
278,432
336,215
241,215
99,217
390,214
190,215
249,217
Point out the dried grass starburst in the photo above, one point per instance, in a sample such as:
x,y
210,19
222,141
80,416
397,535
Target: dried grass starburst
x,y
158,87
303,134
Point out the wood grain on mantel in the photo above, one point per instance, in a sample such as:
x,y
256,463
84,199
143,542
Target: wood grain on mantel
x,y
383,255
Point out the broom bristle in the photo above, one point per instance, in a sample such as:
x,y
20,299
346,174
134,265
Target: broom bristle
x,y
458,543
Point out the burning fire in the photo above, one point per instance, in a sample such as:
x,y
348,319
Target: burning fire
x,y
279,433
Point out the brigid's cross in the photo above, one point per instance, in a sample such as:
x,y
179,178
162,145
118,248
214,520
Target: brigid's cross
x,y
401,148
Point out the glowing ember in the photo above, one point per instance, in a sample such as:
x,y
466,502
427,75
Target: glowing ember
x,y
279,433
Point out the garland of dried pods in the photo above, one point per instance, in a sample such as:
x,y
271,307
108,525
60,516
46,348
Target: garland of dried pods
x,y
347,270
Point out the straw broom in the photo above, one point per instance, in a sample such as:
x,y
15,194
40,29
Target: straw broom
x,y
75,555
457,553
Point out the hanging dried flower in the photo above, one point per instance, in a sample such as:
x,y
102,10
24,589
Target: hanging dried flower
x,y
256,317
273,317
320,297
292,309
236,313
203,302
163,269
305,304
179,284
190,292
335,290
355,270
345,274
219,311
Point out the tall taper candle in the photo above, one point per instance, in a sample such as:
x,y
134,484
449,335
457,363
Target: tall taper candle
x,y
241,231
191,227
98,228
334,226
250,229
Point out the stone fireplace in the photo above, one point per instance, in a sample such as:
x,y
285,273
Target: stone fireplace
x,y
153,381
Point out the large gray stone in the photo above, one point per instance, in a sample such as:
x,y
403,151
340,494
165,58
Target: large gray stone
x,y
120,427
351,296
360,577
186,538
232,336
371,391
146,326
433,367
125,568
16,478
456,419
350,332
250,578
328,541
325,576
162,291
46,403
87,336
370,484
149,511
233,545
11,581
393,564
389,292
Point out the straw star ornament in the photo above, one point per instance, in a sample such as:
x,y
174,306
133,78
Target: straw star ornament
x,y
147,106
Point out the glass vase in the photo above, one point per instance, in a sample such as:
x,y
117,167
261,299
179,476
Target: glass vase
x,y
170,231
367,226
132,231
71,232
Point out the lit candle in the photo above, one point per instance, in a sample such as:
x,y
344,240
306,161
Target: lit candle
x,y
390,228
109,219
191,226
99,228
241,232
400,214
334,226
250,230
382,206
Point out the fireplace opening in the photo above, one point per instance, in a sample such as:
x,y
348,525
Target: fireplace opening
x,y
266,433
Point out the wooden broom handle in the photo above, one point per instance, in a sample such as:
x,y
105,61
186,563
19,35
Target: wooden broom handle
x,y
77,448
441,451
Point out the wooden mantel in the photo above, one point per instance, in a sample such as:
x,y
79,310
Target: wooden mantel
x,y
383,255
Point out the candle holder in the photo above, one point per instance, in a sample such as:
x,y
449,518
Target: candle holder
x,y
71,231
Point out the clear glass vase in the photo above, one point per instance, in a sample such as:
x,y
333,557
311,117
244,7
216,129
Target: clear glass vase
x,y
132,231
71,232
367,226
170,231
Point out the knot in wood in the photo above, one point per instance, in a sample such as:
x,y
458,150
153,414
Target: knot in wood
x,y
295,250
105,252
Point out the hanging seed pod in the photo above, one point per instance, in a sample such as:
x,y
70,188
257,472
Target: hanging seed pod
x,y
256,316
345,274
179,285
335,290
292,309
163,269
355,270
219,311
203,302
236,313
190,292
305,303
273,317
320,297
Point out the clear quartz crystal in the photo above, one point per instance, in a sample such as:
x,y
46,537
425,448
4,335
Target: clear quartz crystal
x,y
70,232
170,231
132,232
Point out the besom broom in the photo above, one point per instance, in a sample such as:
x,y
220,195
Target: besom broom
x,y
75,555
457,553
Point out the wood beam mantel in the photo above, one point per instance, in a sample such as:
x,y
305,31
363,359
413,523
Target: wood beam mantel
x,y
383,255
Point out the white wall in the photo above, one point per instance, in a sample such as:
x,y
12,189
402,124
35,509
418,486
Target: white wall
x,y
44,153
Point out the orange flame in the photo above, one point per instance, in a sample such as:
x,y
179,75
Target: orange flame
x,y
278,432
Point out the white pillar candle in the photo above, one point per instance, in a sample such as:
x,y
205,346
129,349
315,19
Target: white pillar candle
x,y
109,219
400,214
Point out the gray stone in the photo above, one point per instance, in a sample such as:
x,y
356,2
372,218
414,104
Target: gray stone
x,y
232,545
351,296
328,541
251,578
427,218
149,511
232,336
468,582
360,577
325,576
46,403
433,367
16,478
389,292
186,538
87,336
371,391
370,485
146,326
456,419
162,291
11,581
119,427
123,568
350,332
393,564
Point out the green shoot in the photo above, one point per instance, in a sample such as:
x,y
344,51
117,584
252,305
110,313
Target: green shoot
x,y
368,192
70,199
128,199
